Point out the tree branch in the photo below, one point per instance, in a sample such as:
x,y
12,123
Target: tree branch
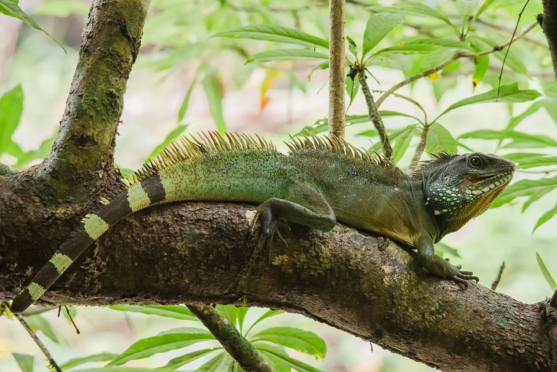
x,y
6,170
336,69
549,27
233,342
451,59
374,115
197,252
420,148
83,153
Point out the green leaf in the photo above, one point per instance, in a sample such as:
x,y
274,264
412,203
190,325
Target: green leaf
x,y
378,26
276,363
102,357
447,249
352,87
25,362
466,8
173,311
241,314
527,160
287,55
439,42
513,61
321,125
322,66
175,133
62,8
546,217
129,369
534,107
352,47
482,9
480,68
420,9
402,142
275,33
294,338
440,139
534,197
295,364
507,93
186,101
37,322
488,134
24,158
214,98
11,107
215,364
546,273
267,315
182,360
525,188
229,312
407,49
12,9
147,347
184,330
126,172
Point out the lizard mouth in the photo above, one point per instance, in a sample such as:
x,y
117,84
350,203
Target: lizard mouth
x,y
482,185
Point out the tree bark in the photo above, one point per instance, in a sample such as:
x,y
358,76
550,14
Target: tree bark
x,y
549,26
83,153
197,252
336,69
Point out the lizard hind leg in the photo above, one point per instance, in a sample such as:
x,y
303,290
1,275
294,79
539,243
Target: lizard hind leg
x,y
304,206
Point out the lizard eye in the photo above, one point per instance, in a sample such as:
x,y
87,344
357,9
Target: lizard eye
x,y
475,161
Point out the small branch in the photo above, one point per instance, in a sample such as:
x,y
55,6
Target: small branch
x,y
419,149
499,28
549,27
83,153
39,343
451,59
374,115
6,170
233,342
498,279
336,69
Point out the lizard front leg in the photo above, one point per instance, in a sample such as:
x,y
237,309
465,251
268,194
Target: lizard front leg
x,y
302,205
438,266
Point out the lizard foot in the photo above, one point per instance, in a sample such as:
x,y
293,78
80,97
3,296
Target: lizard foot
x,y
443,268
269,230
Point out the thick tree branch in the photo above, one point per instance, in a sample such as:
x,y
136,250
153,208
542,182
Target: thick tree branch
x,y
336,69
197,252
6,170
83,152
374,115
233,342
549,27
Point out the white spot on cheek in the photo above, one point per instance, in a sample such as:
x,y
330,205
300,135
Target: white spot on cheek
x,y
477,192
485,189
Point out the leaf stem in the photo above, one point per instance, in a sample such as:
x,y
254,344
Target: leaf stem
x,y
374,115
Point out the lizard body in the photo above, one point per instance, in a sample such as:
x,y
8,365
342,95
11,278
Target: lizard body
x,y
321,181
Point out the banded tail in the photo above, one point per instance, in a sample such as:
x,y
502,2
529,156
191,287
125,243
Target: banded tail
x,y
139,196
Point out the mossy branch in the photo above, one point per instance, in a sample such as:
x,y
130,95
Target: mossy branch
x,y
83,153
233,342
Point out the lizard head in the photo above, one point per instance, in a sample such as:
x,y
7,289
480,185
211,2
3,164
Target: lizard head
x,y
461,187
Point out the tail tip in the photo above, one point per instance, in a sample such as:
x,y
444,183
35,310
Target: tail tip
x,y
21,303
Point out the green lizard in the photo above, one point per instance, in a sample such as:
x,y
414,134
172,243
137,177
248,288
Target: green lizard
x,y
321,181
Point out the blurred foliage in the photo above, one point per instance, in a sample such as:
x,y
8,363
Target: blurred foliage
x,y
227,41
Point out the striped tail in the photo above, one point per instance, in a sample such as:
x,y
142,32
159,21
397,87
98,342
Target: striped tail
x,y
139,196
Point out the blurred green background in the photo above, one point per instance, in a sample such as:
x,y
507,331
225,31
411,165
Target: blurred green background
x,y
274,100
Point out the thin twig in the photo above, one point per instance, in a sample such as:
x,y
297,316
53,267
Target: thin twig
x,y
419,149
233,342
498,279
39,343
336,69
500,28
374,115
451,59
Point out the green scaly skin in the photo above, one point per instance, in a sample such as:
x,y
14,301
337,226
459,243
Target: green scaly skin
x,y
320,182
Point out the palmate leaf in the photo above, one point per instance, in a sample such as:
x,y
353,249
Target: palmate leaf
x,y
275,362
525,188
440,139
508,93
274,33
267,315
378,26
102,357
150,346
216,364
268,350
546,273
294,338
173,311
241,315
229,312
287,55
